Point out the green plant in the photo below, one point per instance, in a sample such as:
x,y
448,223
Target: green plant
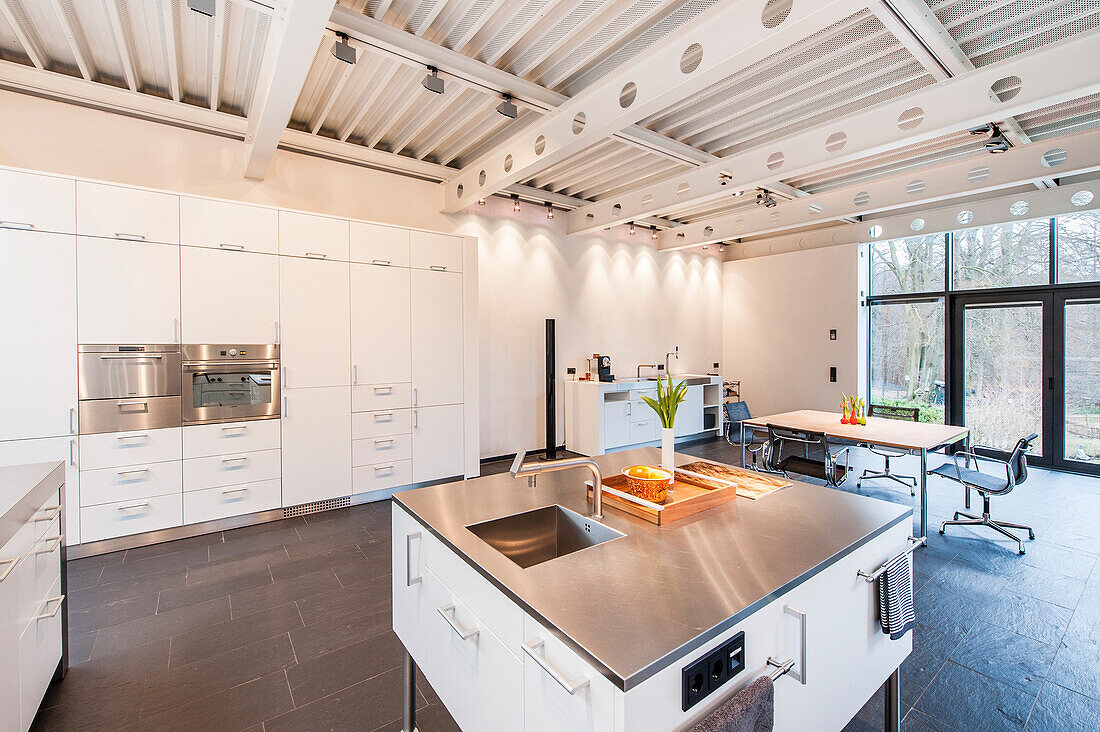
x,y
668,399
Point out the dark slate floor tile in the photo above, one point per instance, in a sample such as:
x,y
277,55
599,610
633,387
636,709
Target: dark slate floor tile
x,y
237,708
155,565
367,570
80,647
963,579
1005,656
280,593
211,640
172,547
917,722
376,699
114,613
339,631
991,556
106,679
160,626
82,576
945,611
296,567
339,669
351,521
108,711
1077,667
1036,619
192,594
236,544
1043,584
1059,559
967,700
435,718
326,543
124,589
1061,710
341,600
98,560
237,564
931,649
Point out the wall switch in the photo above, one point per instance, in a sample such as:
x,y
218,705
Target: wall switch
x,y
832,334
715,364
570,370
832,373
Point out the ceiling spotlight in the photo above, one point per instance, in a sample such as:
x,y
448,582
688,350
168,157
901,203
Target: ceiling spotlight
x,y
724,177
515,202
506,107
632,231
995,142
481,202
653,233
205,7
343,50
706,247
432,82
763,198
549,210
722,248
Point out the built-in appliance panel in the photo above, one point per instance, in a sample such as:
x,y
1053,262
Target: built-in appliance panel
x,y
381,423
110,416
124,371
117,212
230,383
204,440
37,202
369,478
128,483
236,500
225,225
131,517
232,469
373,397
387,448
122,449
383,245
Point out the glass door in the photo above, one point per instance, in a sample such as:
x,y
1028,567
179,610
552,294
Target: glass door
x,y
1077,417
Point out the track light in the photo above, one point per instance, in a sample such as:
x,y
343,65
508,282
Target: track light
x,y
995,142
722,248
506,107
763,198
432,82
631,230
515,202
481,202
706,247
549,210
653,233
343,50
204,7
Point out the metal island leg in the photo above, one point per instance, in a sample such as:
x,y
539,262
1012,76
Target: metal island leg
x,y
408,700
924,493
892,702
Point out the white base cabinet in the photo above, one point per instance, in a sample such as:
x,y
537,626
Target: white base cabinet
x,y
437,443
316,428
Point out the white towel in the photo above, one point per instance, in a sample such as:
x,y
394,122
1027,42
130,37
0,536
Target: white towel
x,y
895,596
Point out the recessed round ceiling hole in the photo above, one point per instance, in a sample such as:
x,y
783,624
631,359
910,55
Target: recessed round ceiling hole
x,y
589,218
978,173
914,187
692,57
1054,157
647,199
680,235
776,160
836,142
481,178
617,209
708,230
775,12
578,123
815,208
628,94
965,217
875,231
1005,88
917,224
460,190
508,163
1019,208
862,198
910,118
540,144
1081,198
683,189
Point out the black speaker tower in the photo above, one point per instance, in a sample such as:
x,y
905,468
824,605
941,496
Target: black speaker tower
x,y
551,378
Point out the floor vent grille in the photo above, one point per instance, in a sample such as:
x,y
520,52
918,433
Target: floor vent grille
x,y
317,506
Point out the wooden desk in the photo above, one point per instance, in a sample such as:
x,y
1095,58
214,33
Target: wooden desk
x,y
919,437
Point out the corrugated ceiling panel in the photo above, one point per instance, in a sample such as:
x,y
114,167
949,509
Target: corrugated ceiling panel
x,y
1062,119
41,25
10,48
103,53
319,82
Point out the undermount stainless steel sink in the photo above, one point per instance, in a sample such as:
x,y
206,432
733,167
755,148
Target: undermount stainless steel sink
x,y
546,533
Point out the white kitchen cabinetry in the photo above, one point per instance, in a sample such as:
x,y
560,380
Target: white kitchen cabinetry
x,y
382,245
127,213
439,252
317,237
316,429
616,423
42,450
314,323
212,504
438,445
204,440
127,292
109,520
436,338
38,282
224,225
547,706
409,606
37,202
228,296
381,335
689,415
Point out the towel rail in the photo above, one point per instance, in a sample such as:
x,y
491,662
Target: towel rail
x,y
914,542
782,668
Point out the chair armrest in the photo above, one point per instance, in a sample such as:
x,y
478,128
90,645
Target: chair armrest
x,y
1010,480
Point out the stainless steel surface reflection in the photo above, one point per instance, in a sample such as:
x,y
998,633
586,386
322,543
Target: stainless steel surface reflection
x,y
534,537
684,583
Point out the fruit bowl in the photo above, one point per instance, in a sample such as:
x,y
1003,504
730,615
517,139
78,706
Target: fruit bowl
x,y
647,482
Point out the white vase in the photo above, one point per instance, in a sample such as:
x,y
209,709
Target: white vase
x,y
668,448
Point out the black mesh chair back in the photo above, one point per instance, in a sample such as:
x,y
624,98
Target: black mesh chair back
x,y
826,467
736,412
909,414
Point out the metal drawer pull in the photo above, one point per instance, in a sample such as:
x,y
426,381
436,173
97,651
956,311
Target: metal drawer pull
x,y
46,616
72,416
781,669
379,468
355,373
133,471
238,459
382,261
409,579
383,389
227,491
240,427
16,225
134,403
387,441
132,237
130,356
438,268
316,255
463,633
237,247
132,506
571,686
800,674
383,416
123,438
56,543
52,512
10,566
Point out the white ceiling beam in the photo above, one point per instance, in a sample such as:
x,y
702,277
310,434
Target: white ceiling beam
x,y
120,44
295,34
960,178
70,39
1050,75
21,35
168,28
731,37
217,40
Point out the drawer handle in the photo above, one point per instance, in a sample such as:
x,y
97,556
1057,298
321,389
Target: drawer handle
x,y
132,506
409,579
228,491
10,566
385,262
46,616
378,468
237,247
355,373
316,255
56,543
463,633
437,268
235,428
134,471
387,441
383,416
123,438
131,237
52,512
383,389
133,403
239,458
16,225
571,686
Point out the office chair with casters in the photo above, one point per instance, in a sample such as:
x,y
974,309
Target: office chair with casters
x,y
736,431
989,484
909,414
827,468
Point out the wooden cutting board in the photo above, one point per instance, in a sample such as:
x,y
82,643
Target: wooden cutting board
x,y
689,495
750,484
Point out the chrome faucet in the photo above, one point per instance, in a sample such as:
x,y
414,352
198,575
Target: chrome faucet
x,y
675,353
641,366
530,470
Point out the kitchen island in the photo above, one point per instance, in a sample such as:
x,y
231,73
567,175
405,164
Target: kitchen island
x,y
617,636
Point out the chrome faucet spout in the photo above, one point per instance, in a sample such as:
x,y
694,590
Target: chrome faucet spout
x,y
641,366
675,353
520,469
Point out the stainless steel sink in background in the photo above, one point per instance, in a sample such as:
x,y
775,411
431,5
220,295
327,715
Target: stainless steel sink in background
x,y
546,533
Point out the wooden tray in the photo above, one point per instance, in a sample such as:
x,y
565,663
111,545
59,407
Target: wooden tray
x,y
689,495
750,484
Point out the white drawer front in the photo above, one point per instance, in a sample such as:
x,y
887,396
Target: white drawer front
x,y
637,394
37,202
203,440
549,706
39,653
381,424
131,482
368,478
233,469
131,517
373,450
643,431
127,213
218,503
372,397
117,449
374,244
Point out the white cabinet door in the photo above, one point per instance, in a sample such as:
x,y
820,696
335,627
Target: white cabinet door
x,y
228,296
225,225
10,630
381,331
547,705
436,337
438,443
127,213
316,427
436,251
37,202
689,415
408,541
38,282
616,424
314,323
319,237
374,244
127,292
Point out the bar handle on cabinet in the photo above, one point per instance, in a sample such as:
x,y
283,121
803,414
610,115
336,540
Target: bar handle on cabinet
x,y
386,441
132,471
276,332
133,403
383,389
123,438
52,512
463,633
132,506
316,255
228,491
16,225
571,686
409,579
384,262
284,406
60,599
284,376
379,468
176,330
416,419
383,416
235,427
10,566
130,237
437,268
141,356
238,459
416,397
56,543
800,674
72,452
72,420
235,247
355,373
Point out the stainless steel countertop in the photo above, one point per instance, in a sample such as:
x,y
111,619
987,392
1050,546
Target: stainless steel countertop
x,y
635,605
23,490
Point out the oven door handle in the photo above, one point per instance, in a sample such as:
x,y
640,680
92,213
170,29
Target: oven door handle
x,y
227,365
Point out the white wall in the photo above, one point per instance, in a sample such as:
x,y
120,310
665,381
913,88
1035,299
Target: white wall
x,y
777,313
611,295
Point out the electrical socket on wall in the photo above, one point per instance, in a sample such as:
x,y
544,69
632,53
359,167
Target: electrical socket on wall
x,y
832,334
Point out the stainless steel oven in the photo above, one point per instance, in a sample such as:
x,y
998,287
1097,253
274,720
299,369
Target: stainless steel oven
x,y
128,387
230,383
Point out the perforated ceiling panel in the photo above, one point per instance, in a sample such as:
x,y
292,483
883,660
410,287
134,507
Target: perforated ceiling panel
x,y
1062,119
